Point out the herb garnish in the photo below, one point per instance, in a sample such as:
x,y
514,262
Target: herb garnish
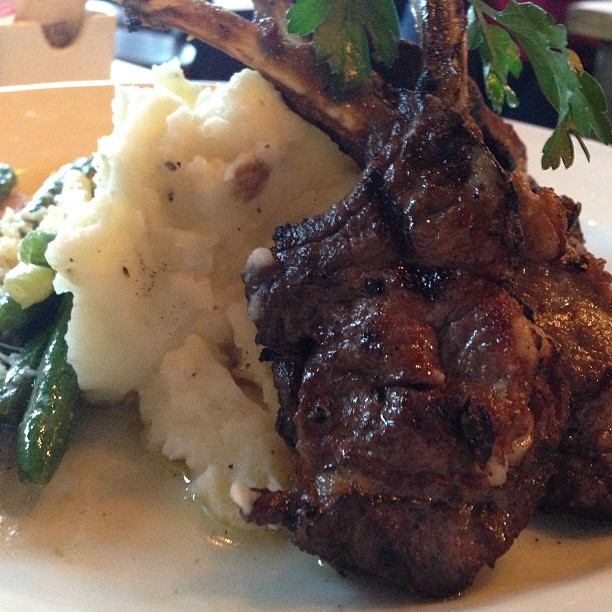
x,y
576,96
349,34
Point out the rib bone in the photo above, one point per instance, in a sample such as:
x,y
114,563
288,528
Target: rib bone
x,y
290,67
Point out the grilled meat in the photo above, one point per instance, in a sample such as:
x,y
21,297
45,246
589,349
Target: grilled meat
x,y
570,298
424,406
428,333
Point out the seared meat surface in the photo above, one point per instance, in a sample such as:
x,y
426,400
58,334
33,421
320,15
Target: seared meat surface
x,y
423,386
425,334
424,406
430,333
425,410
571,299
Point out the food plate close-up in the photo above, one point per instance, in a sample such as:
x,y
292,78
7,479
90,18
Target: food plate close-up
x,y
117,527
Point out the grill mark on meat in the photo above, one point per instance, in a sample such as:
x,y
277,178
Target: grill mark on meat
x,y
421,465
429,399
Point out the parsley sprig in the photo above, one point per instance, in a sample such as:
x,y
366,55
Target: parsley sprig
x,y
350,34
576,96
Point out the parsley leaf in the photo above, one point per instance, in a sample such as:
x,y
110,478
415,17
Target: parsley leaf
x,y
500,56
347,34
577,97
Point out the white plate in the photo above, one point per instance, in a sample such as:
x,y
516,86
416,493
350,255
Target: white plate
x,y
113,530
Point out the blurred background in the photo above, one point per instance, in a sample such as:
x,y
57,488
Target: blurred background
x,y
205,63
589,26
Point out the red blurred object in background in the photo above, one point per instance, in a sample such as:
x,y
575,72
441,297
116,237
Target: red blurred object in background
x,y
8,7
585,47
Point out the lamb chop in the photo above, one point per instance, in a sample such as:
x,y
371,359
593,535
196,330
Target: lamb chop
x,y
569,296
425,408
415,352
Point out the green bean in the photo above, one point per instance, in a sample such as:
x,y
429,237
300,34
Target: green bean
x,y
33,246
8,180
12,315
19,379
14,318
42,435
45,195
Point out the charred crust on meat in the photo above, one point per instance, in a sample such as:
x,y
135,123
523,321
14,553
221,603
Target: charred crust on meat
x,y
370,341
428,283
479,432
400,404
266,354
320,412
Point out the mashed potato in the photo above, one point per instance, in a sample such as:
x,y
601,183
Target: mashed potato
x,y
188,183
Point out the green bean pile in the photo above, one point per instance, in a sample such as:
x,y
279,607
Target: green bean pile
x,y
8,179
40,390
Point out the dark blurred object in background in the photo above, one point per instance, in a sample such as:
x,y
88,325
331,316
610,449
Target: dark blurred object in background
x,y
146,47
209,64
